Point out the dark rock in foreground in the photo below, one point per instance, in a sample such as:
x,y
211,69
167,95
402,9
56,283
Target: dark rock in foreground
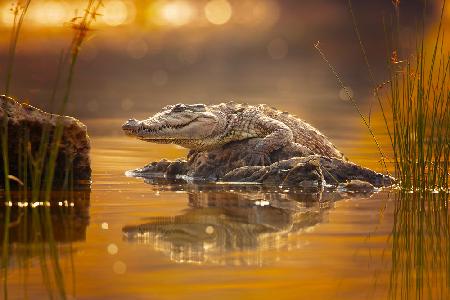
x,y
289,167
24,119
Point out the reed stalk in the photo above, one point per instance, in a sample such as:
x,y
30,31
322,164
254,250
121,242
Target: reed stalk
x,y
418,115
19,13
414,103
39,163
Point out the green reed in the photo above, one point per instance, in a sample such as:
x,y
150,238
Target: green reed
x,y
420,246
414,103
417,117
19,13
39,163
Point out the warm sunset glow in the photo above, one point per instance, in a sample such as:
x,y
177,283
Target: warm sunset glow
x,y
115,13
7,17
218,12
162,13
224,149
265,14
177,12
51,13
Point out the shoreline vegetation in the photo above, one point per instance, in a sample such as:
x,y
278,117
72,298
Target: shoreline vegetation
x,y
38,162
415,105
414,102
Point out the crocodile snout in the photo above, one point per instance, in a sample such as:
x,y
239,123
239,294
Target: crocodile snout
x,y
130,125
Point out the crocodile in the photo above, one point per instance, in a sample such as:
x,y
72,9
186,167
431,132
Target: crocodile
x,y
201,127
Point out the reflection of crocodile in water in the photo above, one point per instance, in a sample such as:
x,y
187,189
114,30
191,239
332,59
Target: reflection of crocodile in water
x,y
236,142
223,227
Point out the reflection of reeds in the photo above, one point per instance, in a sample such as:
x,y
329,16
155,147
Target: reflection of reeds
x,y
31,240
420,247
38,163
19,13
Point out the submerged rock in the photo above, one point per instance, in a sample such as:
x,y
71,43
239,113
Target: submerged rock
x,y
291,167
27,121
357,186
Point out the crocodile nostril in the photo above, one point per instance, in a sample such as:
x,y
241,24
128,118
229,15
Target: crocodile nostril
x,y
130,124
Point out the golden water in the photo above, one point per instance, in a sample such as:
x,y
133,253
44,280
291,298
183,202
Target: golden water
x,y
216,242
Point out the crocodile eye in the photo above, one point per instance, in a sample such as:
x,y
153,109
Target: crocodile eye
x,y
179,108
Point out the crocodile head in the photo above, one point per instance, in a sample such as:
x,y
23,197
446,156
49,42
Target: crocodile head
x,y
190,126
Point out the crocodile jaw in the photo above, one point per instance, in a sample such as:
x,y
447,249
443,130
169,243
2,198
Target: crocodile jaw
x,y
177,131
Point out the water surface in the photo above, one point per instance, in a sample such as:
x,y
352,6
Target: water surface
x,y
145,241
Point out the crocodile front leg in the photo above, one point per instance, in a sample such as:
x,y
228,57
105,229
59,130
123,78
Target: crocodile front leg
x,y
275,135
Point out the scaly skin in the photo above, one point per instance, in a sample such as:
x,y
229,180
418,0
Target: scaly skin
x,y
202,127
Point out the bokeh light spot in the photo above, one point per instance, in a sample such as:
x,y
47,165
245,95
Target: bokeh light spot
x,y
177,13
112,249
209,229
277,48
115,13
218,12
137,48
262,16
50,13
7,15
119,267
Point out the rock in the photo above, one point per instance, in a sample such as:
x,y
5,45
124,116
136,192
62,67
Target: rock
x,y
294,172
307,174
337,171
73,150
214,164
291,167
177,167
357,186
309,171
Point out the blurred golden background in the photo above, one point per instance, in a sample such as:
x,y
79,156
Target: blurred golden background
x,y
143,55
